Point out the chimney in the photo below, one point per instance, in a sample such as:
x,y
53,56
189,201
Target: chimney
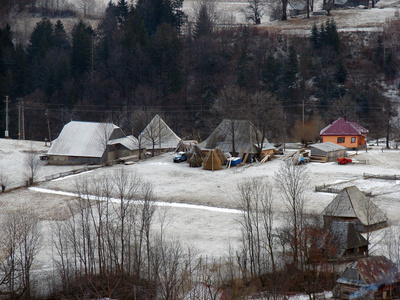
x,y
331,121
345,118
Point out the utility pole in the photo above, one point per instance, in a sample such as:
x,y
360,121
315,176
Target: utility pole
x,y
23,121
19,118
48,124
6,132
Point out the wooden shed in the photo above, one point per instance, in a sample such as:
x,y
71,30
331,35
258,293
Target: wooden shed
x,y
329,151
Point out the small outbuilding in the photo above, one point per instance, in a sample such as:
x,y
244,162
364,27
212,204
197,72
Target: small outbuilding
x,y
351,205
328,150
373,277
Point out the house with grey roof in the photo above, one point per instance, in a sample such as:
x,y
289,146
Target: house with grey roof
x,y
351,205
158,136
234,136
90,142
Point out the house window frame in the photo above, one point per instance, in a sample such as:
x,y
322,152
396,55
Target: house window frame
x,y
340,139
353,139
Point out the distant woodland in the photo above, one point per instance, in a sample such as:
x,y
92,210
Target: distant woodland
x,y
146,59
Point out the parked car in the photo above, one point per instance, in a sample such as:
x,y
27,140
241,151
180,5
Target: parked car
x,y
180,157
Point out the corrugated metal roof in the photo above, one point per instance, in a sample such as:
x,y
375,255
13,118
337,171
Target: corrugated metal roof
x,y
327,147
158,131
343,127
372,270
82,139
350,203
244,133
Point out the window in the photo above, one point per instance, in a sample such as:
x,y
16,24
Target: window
x,y
353,139
340,140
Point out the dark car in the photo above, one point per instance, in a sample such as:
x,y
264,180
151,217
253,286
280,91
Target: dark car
x,y
180,157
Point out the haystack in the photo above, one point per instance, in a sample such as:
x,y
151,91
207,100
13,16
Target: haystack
x,y
212,162
196,149
195,161
221,155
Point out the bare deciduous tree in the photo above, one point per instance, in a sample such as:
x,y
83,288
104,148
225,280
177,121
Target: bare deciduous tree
x,y
292,181
255,202
32,165
254,11
19,243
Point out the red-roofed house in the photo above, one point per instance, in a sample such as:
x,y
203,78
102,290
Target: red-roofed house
x,y
345,133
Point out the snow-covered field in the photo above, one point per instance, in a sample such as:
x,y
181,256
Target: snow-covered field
x,y
200,205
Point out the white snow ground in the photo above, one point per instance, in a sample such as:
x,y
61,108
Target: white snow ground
x,y
201,209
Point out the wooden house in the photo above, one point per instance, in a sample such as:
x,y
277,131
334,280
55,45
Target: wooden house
x,y
374,277
90,142
351,205
345,133
236,136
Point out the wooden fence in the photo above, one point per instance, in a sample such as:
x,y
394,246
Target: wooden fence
x,y
379,176
72,172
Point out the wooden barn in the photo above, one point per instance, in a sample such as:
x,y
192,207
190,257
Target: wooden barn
x,y
351,205
158,136
345,133
90,142
374,277
327,151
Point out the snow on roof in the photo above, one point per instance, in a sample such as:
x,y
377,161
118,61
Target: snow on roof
x,y
343,127
129,142
352,203
327,147
244,133
159,133
85,139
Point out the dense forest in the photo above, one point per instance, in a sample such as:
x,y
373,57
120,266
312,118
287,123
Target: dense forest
x,y
146,59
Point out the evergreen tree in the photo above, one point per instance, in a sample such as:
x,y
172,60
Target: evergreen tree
x,y
291,68
204,24
41,40
60,37
81,52
271,73
156,12
315,37
332,36
122,10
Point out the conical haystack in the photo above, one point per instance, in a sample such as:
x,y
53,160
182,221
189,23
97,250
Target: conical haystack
x,y
195,161
197,150
221,155
212,162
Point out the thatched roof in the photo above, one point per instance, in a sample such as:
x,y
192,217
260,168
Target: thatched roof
x,y
242,132
212,161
